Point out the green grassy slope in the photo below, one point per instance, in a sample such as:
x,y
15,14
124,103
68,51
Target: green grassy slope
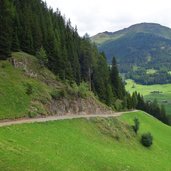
x,y
14,100
81,144
164,97
27,89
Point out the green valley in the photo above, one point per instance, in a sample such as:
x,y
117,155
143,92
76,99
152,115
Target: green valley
x,y
63,103
150,92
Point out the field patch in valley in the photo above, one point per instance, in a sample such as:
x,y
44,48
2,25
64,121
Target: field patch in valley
x,y
161,92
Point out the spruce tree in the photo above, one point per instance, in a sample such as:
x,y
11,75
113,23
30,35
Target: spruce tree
x,y
15,41
6,14
136,125
42,57
129,101
110,99
15,46
101,81
163,111
116,81
86,59
134,100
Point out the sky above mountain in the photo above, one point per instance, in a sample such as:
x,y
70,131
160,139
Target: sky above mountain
x,y
94,16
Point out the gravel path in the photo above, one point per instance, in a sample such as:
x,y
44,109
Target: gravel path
x,y
55,117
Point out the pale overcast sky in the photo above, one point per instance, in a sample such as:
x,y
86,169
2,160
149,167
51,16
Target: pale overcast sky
x,y
94,16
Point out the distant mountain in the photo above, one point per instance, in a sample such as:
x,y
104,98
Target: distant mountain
x,y
144,46
151,28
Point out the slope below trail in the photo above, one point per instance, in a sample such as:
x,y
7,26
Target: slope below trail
x,y
55,117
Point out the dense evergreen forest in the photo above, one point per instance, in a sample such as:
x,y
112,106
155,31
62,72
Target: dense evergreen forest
x,y
32,27
141,76
144,51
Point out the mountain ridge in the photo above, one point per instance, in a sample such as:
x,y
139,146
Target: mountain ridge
x,y
142,46
140,27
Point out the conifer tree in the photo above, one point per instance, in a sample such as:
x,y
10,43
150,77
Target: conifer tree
x,y
100,78
117,85
6,14
15,46
42,57
26,39
134,100
110,99
86,59
163,111
129,101
136,125
15,42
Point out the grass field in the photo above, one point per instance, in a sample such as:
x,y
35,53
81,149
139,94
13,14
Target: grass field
x,y
163,97
81,144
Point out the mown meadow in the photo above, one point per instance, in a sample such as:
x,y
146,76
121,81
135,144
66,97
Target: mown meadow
x,y
161,92
86,144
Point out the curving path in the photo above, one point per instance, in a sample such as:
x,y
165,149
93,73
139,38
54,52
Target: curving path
x,y
56,117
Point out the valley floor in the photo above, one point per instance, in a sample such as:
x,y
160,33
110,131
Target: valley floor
x,y
161,92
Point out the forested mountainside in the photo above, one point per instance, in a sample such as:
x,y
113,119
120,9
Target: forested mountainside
x,y
138,49
32,27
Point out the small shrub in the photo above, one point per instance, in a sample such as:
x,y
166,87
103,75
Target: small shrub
x,y
118,105
35,109
32,111
29,89
73,91
3,65
57,94
117,137
31,114
83,90
147,139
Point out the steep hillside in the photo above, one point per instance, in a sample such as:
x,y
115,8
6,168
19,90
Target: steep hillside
x,y
82,144
144,46
27,89
32,27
